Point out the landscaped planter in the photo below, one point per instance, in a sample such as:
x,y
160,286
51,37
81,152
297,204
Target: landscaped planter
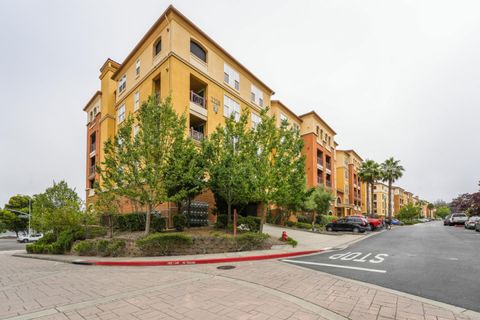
x,y
178,243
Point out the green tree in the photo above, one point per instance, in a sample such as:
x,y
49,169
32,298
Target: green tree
x,y
185,174
391,172
370,173
58,208
319,202
229,154
12,222
430,207
289,165
19,202
442,211
408,212
266,139
136,167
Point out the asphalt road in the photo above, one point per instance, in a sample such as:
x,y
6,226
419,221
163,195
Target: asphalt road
x,y
427,260
11,244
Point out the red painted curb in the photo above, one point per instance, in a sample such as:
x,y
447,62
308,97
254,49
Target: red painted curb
x,y
199,261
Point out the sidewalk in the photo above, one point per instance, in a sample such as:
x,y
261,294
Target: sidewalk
x,y
308,243
261,290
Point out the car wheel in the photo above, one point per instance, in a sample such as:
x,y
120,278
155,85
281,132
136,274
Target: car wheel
x,y
25,241
356,230
329,229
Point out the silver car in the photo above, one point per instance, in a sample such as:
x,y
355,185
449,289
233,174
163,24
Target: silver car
x,y
471,222
458,218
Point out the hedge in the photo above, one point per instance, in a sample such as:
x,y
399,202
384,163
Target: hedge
x,y
251,223
163,243
250,241
105,248
135,221
179,222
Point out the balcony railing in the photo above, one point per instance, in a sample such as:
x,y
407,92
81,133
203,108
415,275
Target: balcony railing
x,y
196,135
92,147
197,99
319,181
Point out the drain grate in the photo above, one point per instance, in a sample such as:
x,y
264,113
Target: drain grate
x,y
226,267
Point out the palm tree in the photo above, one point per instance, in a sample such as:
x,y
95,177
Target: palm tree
x,y
391,172
369,173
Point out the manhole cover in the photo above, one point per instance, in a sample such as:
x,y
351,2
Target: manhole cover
x,y
226,267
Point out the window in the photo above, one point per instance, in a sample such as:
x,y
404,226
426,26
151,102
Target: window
x,y
122,84
198,51
256,96
321,134
283,118
230,107
136,101
295,126
121,113
158,47
231,76
256,120
137,67
136,129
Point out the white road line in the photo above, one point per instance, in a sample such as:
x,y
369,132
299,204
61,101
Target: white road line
x,y
334,266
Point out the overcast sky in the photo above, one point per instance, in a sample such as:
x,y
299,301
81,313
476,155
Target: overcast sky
x,y
393,78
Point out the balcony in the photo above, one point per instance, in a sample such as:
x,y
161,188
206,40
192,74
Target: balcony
x,y
196,135
197,99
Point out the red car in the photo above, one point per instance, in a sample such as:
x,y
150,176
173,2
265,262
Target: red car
x,y
374,223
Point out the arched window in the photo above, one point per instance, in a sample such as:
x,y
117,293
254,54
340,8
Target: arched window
x,y
157,47
198,51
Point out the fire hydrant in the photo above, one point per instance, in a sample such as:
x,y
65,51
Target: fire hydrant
x,y
284,236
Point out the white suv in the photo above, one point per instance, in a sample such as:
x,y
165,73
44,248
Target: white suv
x,y
458,218
29,237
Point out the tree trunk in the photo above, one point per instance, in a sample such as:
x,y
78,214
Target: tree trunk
x,y
229,212
148,219
369,213
372,186
390,200
264,217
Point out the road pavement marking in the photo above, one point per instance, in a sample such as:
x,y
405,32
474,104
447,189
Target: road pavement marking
x,y
354,256
334,266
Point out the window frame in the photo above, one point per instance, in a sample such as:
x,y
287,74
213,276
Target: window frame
x,y
202,49
121,113
136,100
155,44
137,67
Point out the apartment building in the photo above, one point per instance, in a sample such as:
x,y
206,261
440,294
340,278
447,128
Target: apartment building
x,y
380,199
174,58
350,191
319,150
398,199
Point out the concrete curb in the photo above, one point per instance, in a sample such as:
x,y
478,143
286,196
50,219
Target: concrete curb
x,y
146,263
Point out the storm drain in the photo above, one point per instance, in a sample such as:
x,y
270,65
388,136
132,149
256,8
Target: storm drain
x,y
226,267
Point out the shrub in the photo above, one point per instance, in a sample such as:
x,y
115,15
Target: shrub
x,y
95,231
324,219
251,222
302,225
102,248
131,221
163,243
159,223
251,241
290,241
86,248
303,219
116,247
68,237
221,221
291,223
47,238
179,222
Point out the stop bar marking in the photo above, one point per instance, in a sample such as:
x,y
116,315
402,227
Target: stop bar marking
x,y
334,266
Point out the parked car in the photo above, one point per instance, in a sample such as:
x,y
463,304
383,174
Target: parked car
x,y
360,220
397,222
458,218
345,224
29,237
374,223
471,222
446,221
477,226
